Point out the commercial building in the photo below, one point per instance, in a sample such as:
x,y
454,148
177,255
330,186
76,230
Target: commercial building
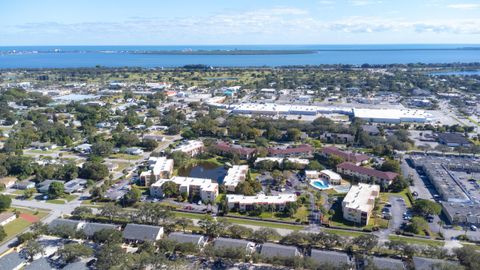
x,y
364,174
359,202
205,188
246,203
391,116
161,168
234,176
191,148
348,156
453,139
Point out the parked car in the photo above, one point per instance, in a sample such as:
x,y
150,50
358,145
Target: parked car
x,y
473,228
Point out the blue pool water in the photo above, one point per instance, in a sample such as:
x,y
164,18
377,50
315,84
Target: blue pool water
x,y
320,184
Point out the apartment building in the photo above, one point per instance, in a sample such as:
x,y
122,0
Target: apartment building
x,y
160,167
359,202
204,188
246,203
191,148
354,158
365,174
235,175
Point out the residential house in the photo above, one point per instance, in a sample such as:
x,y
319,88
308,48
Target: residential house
x,y
229,243
333,258
44,186
385,263
196,239
142,233
8,182
90,228
75,185
11,261
7,217
24,185
421,263
270,250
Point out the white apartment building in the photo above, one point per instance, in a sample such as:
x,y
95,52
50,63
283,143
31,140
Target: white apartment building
x,y
246,203
234,176
205,188
359,202
279,160
191,148
160,167
332,177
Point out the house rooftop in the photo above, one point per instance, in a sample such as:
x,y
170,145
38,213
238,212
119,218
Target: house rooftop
x,y
141,232
275,250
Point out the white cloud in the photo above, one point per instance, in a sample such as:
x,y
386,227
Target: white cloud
x,y
364,2
464,6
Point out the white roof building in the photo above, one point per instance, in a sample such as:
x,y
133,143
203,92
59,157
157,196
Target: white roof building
x,y
204,187
359,202
245,202
391,115
234,176
192,147
279,160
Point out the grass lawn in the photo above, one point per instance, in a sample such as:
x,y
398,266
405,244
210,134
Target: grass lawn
x,y
19,225
244,221
56,201
417,241
125,156
70,197
384,196
342,232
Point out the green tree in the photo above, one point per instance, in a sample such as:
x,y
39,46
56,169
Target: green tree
x,y
24,237
417,225
365,242
110,256
108,236
28,193
468,257
132,196
263,235
5,202
390,165
32,248
82,212
315,165
3,234
184,223
426,207
213,227
170,189
56,190
74,251
398,184
294,134
94,170
102,149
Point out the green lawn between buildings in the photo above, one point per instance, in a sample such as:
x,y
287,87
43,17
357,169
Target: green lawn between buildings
x,y
19,225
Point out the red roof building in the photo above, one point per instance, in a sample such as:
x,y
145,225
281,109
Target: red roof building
x,y
355,158
365,174
243,152
291,151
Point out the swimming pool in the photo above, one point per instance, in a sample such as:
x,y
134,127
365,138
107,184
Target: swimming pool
x,y
320,184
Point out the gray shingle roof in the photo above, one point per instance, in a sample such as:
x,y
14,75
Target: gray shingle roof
x,y
11,261
330,257
76,266
222,242
138,232
186,238
40,264
91,228
421,263
64,222
387,263
275,250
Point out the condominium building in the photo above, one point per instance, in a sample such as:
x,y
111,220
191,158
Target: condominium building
x,y
355,158
191,148
246,203
160,167
234,176
365,174
359,202
332,177
204,188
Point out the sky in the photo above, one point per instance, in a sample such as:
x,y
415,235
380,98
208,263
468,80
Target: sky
x,y
222,22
